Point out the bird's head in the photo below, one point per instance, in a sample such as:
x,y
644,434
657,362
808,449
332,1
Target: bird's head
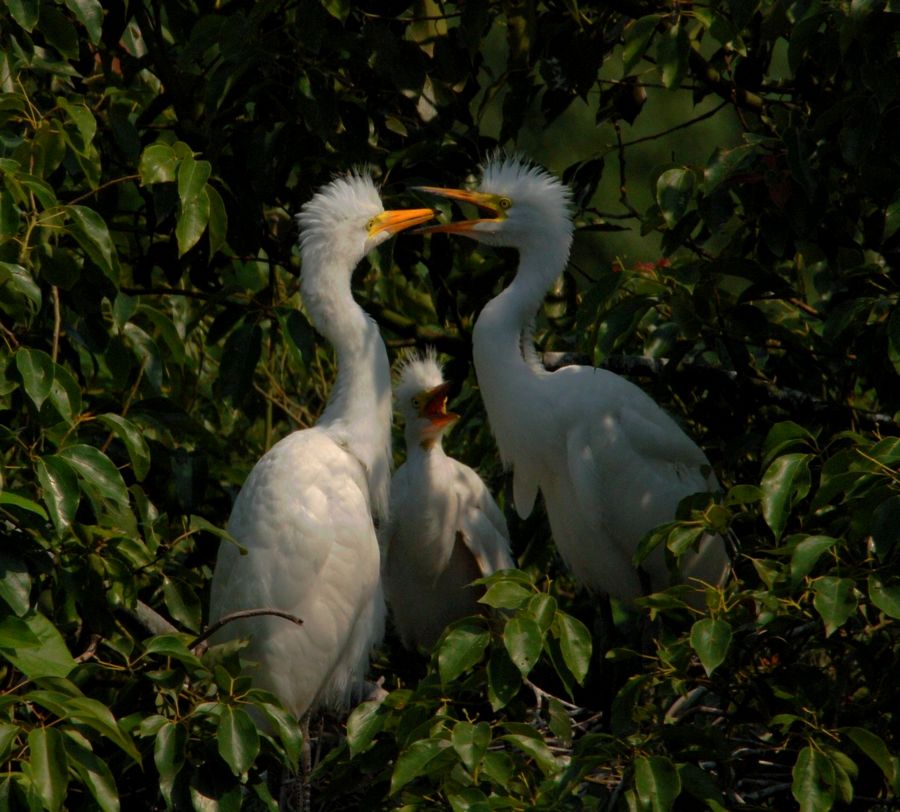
x,y
520,205
421,395
346,219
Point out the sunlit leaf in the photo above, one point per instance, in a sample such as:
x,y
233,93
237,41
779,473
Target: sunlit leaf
x,y
637,37
92,770
807,553
471,742
364,723
158,164
59,487
576,645
90,14
193,217
885,595
168,756
92,234
133,439
15,580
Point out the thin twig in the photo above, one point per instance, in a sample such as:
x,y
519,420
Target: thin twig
x,y
683,125
243,613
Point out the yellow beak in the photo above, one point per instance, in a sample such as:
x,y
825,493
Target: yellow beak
x,y
398,220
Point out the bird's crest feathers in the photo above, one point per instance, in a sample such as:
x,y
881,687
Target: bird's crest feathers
x,y
514,175
351,195
416,372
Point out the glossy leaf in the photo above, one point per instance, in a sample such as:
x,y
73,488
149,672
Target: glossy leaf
x,y
807,553
813,781
523,640
48,766
835,601
471,742
785,482
15,581
637,38
90,14
168,756
885,595
133,439
461,647
576,645
50,657
364,723
710,638
657,782
36,369
674,190
237,738
414,761
158,164
92,234
96,471
505,595
193,217
59,487
92,770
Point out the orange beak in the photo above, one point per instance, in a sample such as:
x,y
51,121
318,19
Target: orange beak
x,y
486,203
399,220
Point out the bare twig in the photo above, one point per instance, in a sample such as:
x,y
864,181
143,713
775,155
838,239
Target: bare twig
x,y
244,613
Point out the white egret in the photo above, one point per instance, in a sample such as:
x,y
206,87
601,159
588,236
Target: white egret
x,y
611,464
445,529
305,513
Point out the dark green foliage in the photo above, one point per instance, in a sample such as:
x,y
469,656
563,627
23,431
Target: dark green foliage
x,y
153,346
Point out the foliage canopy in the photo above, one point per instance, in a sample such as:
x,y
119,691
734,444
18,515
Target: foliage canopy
x,y
153,346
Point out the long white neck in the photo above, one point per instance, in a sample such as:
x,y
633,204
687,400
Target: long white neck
x,y
507,368
358,412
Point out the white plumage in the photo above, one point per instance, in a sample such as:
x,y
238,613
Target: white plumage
x,y
305,513
445,529
611,464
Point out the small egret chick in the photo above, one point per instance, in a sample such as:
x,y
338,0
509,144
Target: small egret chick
x,y
445,529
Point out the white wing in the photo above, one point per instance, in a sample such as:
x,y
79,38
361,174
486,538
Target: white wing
x,y
304,518
481,522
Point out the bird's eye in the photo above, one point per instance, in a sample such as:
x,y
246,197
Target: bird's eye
x,y
370,225
417,402
504,203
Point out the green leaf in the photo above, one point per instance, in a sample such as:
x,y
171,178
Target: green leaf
x,y
813,781
92,234
886,596
674,190
65,394
96,471
83,119
15,581
59,489
192,177
238,739
339,9
133,440
8,735
785,482
672,56
471,742
504,679
16,633
90,15
413,762
835,600
24,12
576,645
49,658
218,220
637,39
48,766
157,165
505,595
182,602
36,369
657,782
175,646
193,217
530,742
874,747
168,756
240,356
883,527
783,436
807,553
710,638
468,799
523,640
460,648
92,770
285,725
542,609
364,724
